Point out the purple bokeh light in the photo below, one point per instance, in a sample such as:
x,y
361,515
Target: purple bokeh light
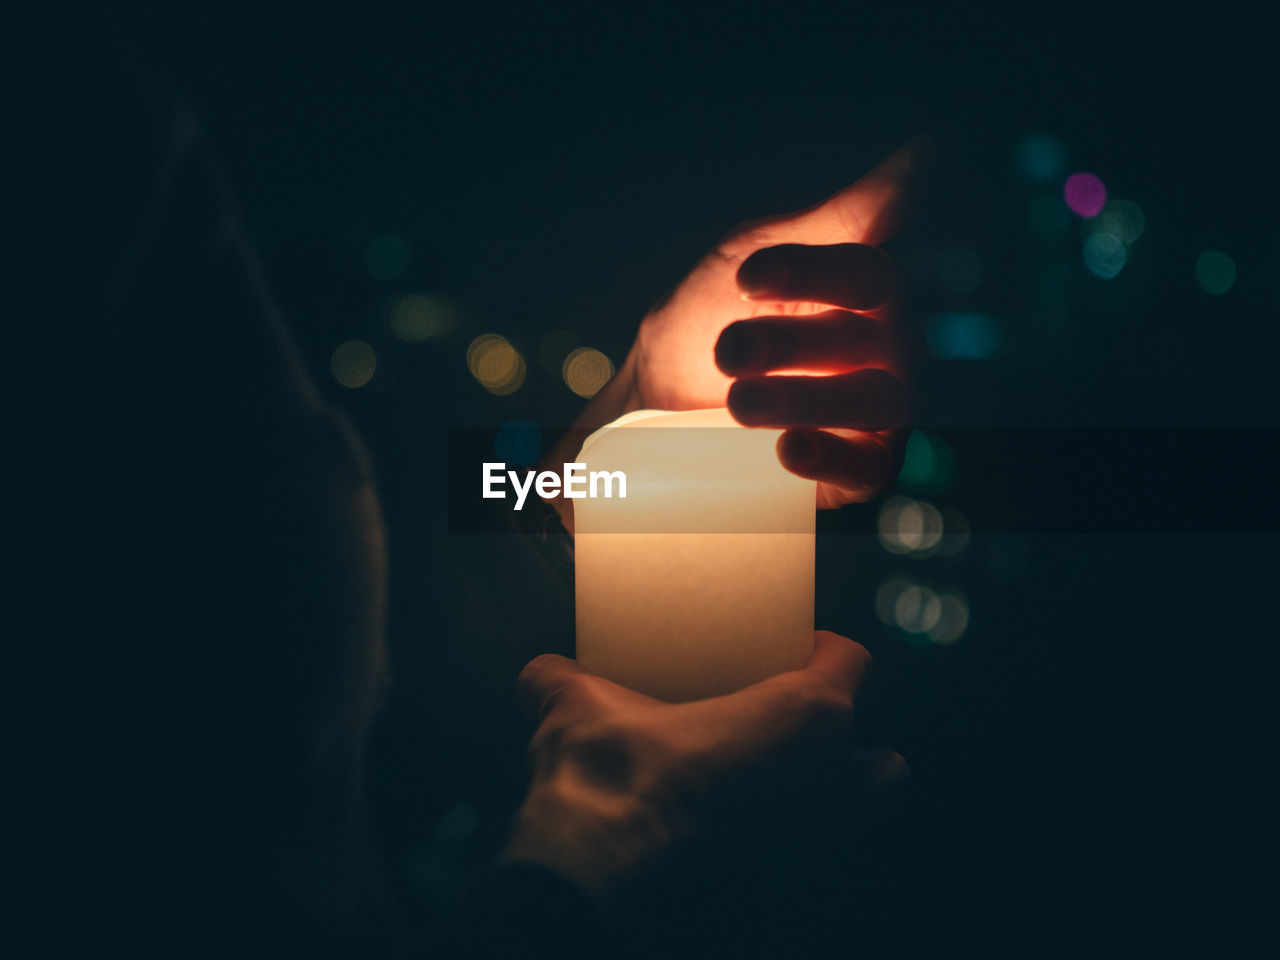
x,y
1085,194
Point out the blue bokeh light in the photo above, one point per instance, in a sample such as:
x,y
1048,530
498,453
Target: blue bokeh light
x,y
963,336
518,441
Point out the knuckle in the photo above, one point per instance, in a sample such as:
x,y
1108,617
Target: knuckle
x,y
861,655
536,668
871,272
831,706
814,702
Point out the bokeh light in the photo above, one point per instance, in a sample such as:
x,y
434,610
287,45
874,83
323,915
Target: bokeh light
x,y
887,599
1085,194
928,465
909,526
952,621
496,364
1040,157
419,317
917,609
518,441
963,336
387,257
960,270
555,346
586,370
1123,219
353,363
1104,255
924,614
1215,272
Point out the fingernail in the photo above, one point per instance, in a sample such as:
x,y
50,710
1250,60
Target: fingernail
x,y
739,348
761,275
753,399
798,449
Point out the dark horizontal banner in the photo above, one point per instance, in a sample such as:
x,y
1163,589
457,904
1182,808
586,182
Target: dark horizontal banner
x,y
986,480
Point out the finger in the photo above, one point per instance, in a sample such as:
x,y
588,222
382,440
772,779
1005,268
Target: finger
x,y
748,724
862,400
544,678
831,342
870,210
850,275
838,663
860,463
772,713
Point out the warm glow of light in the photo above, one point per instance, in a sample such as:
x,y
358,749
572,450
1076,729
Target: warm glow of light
x,y
699,582
496,364
1085,194
586,370
419,317
353,363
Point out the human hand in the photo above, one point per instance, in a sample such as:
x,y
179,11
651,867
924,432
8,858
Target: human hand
x,y
618,776
791,322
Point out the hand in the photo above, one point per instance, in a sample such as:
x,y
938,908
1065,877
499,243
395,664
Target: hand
x,y
618,776
790,321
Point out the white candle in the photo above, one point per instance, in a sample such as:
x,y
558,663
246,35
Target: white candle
x,y
700,581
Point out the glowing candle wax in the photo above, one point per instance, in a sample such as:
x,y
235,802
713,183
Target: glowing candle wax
x,y
700,581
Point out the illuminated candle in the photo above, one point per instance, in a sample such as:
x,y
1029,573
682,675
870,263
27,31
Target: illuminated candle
x,y
700,581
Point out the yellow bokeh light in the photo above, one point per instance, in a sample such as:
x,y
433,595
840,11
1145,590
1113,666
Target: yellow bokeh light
x,y
353,363
419,317
586,370
496,364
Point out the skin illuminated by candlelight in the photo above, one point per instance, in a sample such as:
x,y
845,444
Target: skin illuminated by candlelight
x,y
619,776
790,321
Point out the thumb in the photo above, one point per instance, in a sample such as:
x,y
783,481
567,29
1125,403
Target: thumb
x,y
545,678
869,211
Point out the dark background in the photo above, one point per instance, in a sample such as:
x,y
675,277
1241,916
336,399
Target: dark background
x,y
1089,756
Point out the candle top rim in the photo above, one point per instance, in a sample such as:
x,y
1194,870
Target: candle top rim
x,y
677,418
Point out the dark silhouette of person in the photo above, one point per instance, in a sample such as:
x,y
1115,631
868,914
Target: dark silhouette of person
x,y
197,592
